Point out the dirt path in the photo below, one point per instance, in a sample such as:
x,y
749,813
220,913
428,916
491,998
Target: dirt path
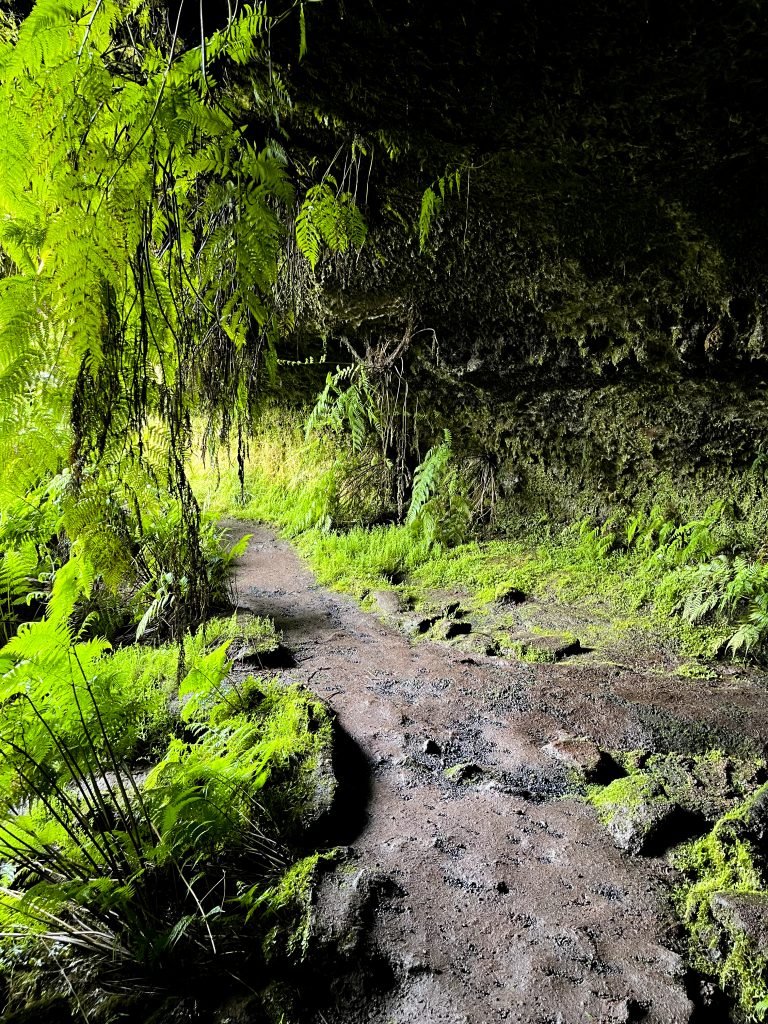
x,y
494,901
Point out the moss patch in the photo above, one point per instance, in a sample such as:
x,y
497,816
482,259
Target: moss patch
x,y
729,860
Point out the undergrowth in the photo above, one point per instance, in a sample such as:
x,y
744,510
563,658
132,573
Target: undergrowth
x,y
695,578
150,830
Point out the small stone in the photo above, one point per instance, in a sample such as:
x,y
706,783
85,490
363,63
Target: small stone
x,y
579,753
743,912
430,747
502,887
388,601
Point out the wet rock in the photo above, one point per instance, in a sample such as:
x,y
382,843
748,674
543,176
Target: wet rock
x,y
743,912
581,754
466,771
637,814
636,829
674,797
388,602
510,596
756,821
345,904
621,1011
449,629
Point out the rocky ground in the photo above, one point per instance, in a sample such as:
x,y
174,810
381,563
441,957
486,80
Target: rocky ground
x,y
479,885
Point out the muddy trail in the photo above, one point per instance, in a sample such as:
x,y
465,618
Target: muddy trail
x,y
479,887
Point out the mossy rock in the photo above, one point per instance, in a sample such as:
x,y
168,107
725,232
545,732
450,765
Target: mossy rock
x,y
745,913
636,813
55,1010
465,772
724,903
536,647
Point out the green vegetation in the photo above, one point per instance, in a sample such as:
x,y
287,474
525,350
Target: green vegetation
x,y
147,826
723,900
728,863
698,584
179,226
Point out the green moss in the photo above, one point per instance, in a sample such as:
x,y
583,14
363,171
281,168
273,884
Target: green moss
x,y
531,654
622,794
248,635
287,905
725,861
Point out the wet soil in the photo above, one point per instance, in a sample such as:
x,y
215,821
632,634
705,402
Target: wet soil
x,y
479,888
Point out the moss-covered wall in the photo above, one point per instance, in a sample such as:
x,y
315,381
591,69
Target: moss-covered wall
x,y
592,303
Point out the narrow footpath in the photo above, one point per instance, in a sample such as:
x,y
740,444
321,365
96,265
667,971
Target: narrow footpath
x,y
485,894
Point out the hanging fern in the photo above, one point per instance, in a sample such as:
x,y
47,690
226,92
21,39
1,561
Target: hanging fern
x,y
346,404
433,200
326,218
145,234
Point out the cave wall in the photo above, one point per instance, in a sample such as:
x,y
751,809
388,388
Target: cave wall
x,y
590,306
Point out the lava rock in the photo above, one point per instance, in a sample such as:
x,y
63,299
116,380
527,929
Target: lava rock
x,y
581,754
450,629
417,625
533,647
743,912
466,771
642,828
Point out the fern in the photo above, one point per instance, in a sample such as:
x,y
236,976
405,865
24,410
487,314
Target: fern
x,y
148,237
346,404
440,512
433,201
429,475
326,218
